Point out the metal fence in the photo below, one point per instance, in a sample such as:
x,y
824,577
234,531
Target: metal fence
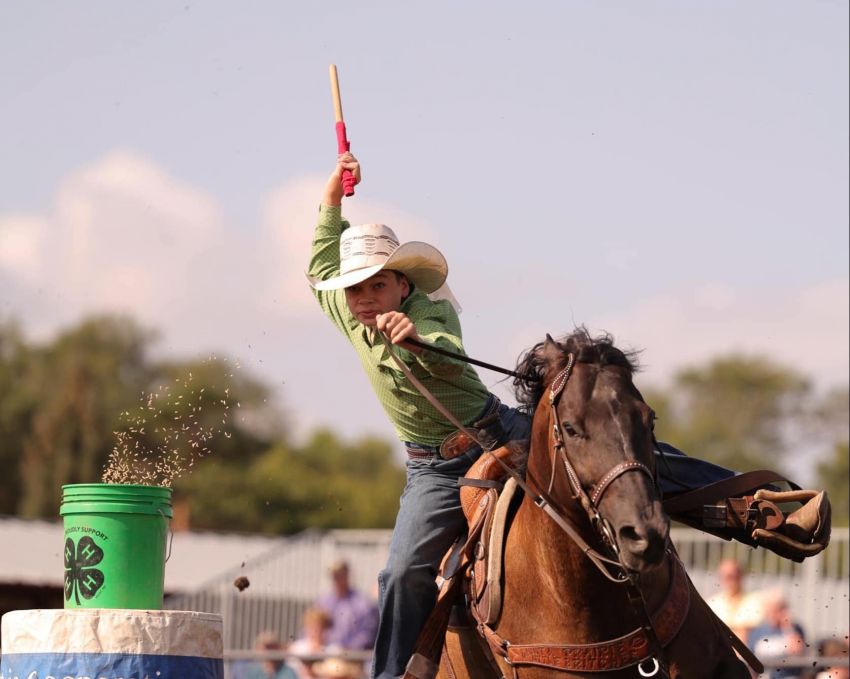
x,y
238,663
289,578
817,590
284,582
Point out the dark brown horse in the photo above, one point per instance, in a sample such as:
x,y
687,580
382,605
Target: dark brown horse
x,y
591,459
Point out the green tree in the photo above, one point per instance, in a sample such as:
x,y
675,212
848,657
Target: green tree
x,y
326,483
832,476
92,398
17,403
73,390
828,418
65,405
829,428
734,411
192,410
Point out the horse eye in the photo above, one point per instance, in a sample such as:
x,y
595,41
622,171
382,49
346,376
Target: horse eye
x,y
570,430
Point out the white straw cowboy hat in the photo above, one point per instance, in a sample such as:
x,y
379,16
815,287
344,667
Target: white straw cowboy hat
x,y
369,248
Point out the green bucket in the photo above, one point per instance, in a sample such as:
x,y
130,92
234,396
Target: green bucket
x,y
115,539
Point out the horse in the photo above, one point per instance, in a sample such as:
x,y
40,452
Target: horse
x,y
565,598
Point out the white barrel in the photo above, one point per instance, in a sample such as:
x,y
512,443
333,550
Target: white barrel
x,y
105,643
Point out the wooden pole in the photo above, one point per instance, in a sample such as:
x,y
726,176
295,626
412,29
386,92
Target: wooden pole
x,y
341,136
335,94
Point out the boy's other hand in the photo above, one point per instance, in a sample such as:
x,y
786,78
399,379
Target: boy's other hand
x,y
333,189
398,327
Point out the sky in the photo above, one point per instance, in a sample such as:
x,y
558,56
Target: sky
x,y
675,173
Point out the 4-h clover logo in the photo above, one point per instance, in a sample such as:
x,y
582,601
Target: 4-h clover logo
x,y
80,577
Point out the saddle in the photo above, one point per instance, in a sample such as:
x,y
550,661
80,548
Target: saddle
x,y
485,577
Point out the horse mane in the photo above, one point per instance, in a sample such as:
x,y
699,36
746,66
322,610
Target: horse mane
x,y
599,350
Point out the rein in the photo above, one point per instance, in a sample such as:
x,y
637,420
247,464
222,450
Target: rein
x,y
466,359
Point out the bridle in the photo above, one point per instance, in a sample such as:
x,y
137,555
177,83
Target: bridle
x,y
589,502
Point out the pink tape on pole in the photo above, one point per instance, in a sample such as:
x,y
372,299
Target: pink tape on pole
x,y
342,147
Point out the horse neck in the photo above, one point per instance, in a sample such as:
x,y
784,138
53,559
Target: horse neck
x,y
557,565
572,600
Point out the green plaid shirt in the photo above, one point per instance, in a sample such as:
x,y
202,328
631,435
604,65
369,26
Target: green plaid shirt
x,y
453,382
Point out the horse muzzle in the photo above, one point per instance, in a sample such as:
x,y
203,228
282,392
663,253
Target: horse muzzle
x,y
643,542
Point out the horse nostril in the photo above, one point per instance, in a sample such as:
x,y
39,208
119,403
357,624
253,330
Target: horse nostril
x,y
647,544
630,535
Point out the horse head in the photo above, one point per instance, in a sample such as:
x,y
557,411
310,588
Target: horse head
x,y
592,442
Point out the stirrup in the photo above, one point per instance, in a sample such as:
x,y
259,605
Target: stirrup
x,y
746,513
805,531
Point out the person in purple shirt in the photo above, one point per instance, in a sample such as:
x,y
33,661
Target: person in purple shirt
x,y
355,616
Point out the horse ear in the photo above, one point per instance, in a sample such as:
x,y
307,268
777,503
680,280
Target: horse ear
x,y
552,351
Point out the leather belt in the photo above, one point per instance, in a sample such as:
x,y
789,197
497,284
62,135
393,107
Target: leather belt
x,y
458,442
421,454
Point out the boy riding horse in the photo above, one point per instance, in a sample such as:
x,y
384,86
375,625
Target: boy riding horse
x,y
370,285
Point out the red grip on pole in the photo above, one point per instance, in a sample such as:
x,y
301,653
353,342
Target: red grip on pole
x,y
342,147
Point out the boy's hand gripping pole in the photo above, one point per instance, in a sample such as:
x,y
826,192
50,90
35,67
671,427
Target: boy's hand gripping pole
x,y
341,138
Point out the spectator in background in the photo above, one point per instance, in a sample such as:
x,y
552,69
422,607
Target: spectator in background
x,y
269,669
313,640
833,648
354,616
740,610
778,636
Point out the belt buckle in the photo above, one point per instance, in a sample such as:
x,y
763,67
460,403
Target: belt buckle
x,y
455,445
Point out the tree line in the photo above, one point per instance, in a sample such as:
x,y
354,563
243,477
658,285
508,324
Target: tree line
x,y
94,390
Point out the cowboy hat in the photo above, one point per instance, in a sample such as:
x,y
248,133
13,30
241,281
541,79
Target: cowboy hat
x,y
366,249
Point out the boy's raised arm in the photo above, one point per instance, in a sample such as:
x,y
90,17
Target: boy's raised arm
x,y
333,189
324,257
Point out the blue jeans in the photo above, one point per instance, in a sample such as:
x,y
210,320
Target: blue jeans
x,y
678,473
430,518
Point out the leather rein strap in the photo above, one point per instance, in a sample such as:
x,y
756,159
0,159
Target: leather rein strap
x,y
473,361
740,484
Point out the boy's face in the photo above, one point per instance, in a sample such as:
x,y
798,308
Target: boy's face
x,y
378,294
